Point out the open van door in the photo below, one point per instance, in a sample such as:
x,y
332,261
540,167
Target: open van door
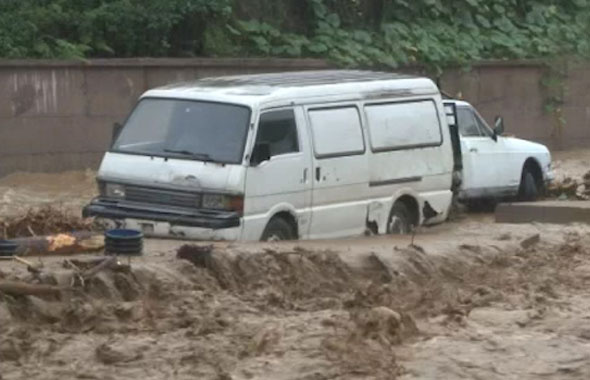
x,y
452,121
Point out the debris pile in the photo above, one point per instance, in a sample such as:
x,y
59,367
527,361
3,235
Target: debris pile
x,y
570,188
46,220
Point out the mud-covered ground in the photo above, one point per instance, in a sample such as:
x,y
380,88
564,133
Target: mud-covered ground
x,y
471,300
468,302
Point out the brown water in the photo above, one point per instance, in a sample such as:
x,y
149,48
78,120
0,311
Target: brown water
x,y
467,303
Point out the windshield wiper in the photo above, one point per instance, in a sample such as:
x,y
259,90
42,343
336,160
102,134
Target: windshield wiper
x,y
197,156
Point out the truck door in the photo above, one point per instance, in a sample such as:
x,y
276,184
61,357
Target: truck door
x,y
482,162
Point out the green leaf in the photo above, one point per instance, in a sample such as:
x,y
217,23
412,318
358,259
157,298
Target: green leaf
x,y
483,21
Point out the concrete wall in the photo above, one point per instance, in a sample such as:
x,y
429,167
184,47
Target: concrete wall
x,y
57,115
515,91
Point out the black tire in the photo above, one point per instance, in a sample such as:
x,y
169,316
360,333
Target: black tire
x,y
528,191
278,229
400,220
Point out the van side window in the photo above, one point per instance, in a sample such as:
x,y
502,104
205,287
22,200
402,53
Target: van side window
x,y
278,129
403,125
468,126
336,131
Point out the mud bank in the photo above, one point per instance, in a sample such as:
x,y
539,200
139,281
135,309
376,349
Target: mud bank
x,y
496,308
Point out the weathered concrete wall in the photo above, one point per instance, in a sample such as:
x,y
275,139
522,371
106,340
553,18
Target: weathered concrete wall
x,y
57,115
519,92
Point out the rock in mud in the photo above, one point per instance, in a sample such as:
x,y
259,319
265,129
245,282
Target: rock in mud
x,y
49,312
530,241
107,354
9,350
5,317
585,334
381,323
265,340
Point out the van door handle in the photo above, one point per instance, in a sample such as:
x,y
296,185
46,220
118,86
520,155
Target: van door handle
x,y
318,174
305,175
473,150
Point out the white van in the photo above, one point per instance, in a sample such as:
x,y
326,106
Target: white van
x,y
307,155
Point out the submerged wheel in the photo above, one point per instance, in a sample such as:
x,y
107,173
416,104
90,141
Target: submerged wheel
x,y
278,229
400,221
528,191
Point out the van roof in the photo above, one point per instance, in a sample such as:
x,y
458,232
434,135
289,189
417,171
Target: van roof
x,y
298,78
292,86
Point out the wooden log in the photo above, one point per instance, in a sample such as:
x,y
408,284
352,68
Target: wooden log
x,y
61,244
85,265
33,268
24,289
105,264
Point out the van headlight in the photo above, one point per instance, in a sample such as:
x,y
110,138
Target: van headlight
x,y
214,201
114,190
223,202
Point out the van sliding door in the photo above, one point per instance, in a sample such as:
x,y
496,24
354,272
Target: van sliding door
x,y
340,175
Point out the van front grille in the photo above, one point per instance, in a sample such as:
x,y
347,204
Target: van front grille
x,y
163,197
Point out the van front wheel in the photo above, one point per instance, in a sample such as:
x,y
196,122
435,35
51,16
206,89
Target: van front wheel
x,y
399,220
277,229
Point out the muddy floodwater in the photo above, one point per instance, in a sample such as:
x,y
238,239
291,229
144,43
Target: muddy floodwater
x,y
470,299
466,302
21,191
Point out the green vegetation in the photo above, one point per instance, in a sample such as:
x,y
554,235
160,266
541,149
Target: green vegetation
x,y
390,33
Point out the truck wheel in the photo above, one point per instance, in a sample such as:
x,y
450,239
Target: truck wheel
x,y
399,220
528,191
278,229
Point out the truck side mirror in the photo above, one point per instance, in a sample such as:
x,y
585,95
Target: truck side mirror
x,y
260,154
117,127
498,127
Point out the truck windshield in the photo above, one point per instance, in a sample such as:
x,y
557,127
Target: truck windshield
x,y
198,130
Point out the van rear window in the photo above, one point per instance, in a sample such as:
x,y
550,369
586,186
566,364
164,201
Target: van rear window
x,y
336,132
405,125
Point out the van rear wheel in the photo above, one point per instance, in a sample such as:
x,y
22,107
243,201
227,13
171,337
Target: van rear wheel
x,y
277,229
399,220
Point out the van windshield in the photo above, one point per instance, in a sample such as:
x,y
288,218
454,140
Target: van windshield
x,y
189,129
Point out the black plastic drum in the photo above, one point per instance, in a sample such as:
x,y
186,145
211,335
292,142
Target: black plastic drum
x,y
124,242
7,248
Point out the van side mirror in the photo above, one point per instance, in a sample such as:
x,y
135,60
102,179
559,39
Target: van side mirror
x,y
117,127
498,126
260,154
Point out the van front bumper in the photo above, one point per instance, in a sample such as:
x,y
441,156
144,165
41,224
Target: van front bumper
x,y
122,210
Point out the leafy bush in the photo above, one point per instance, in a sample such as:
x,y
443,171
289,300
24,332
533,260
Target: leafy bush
x,y
432,32
351,32
124,28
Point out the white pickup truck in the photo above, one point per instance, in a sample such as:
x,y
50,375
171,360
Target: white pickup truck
x,y
496,166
